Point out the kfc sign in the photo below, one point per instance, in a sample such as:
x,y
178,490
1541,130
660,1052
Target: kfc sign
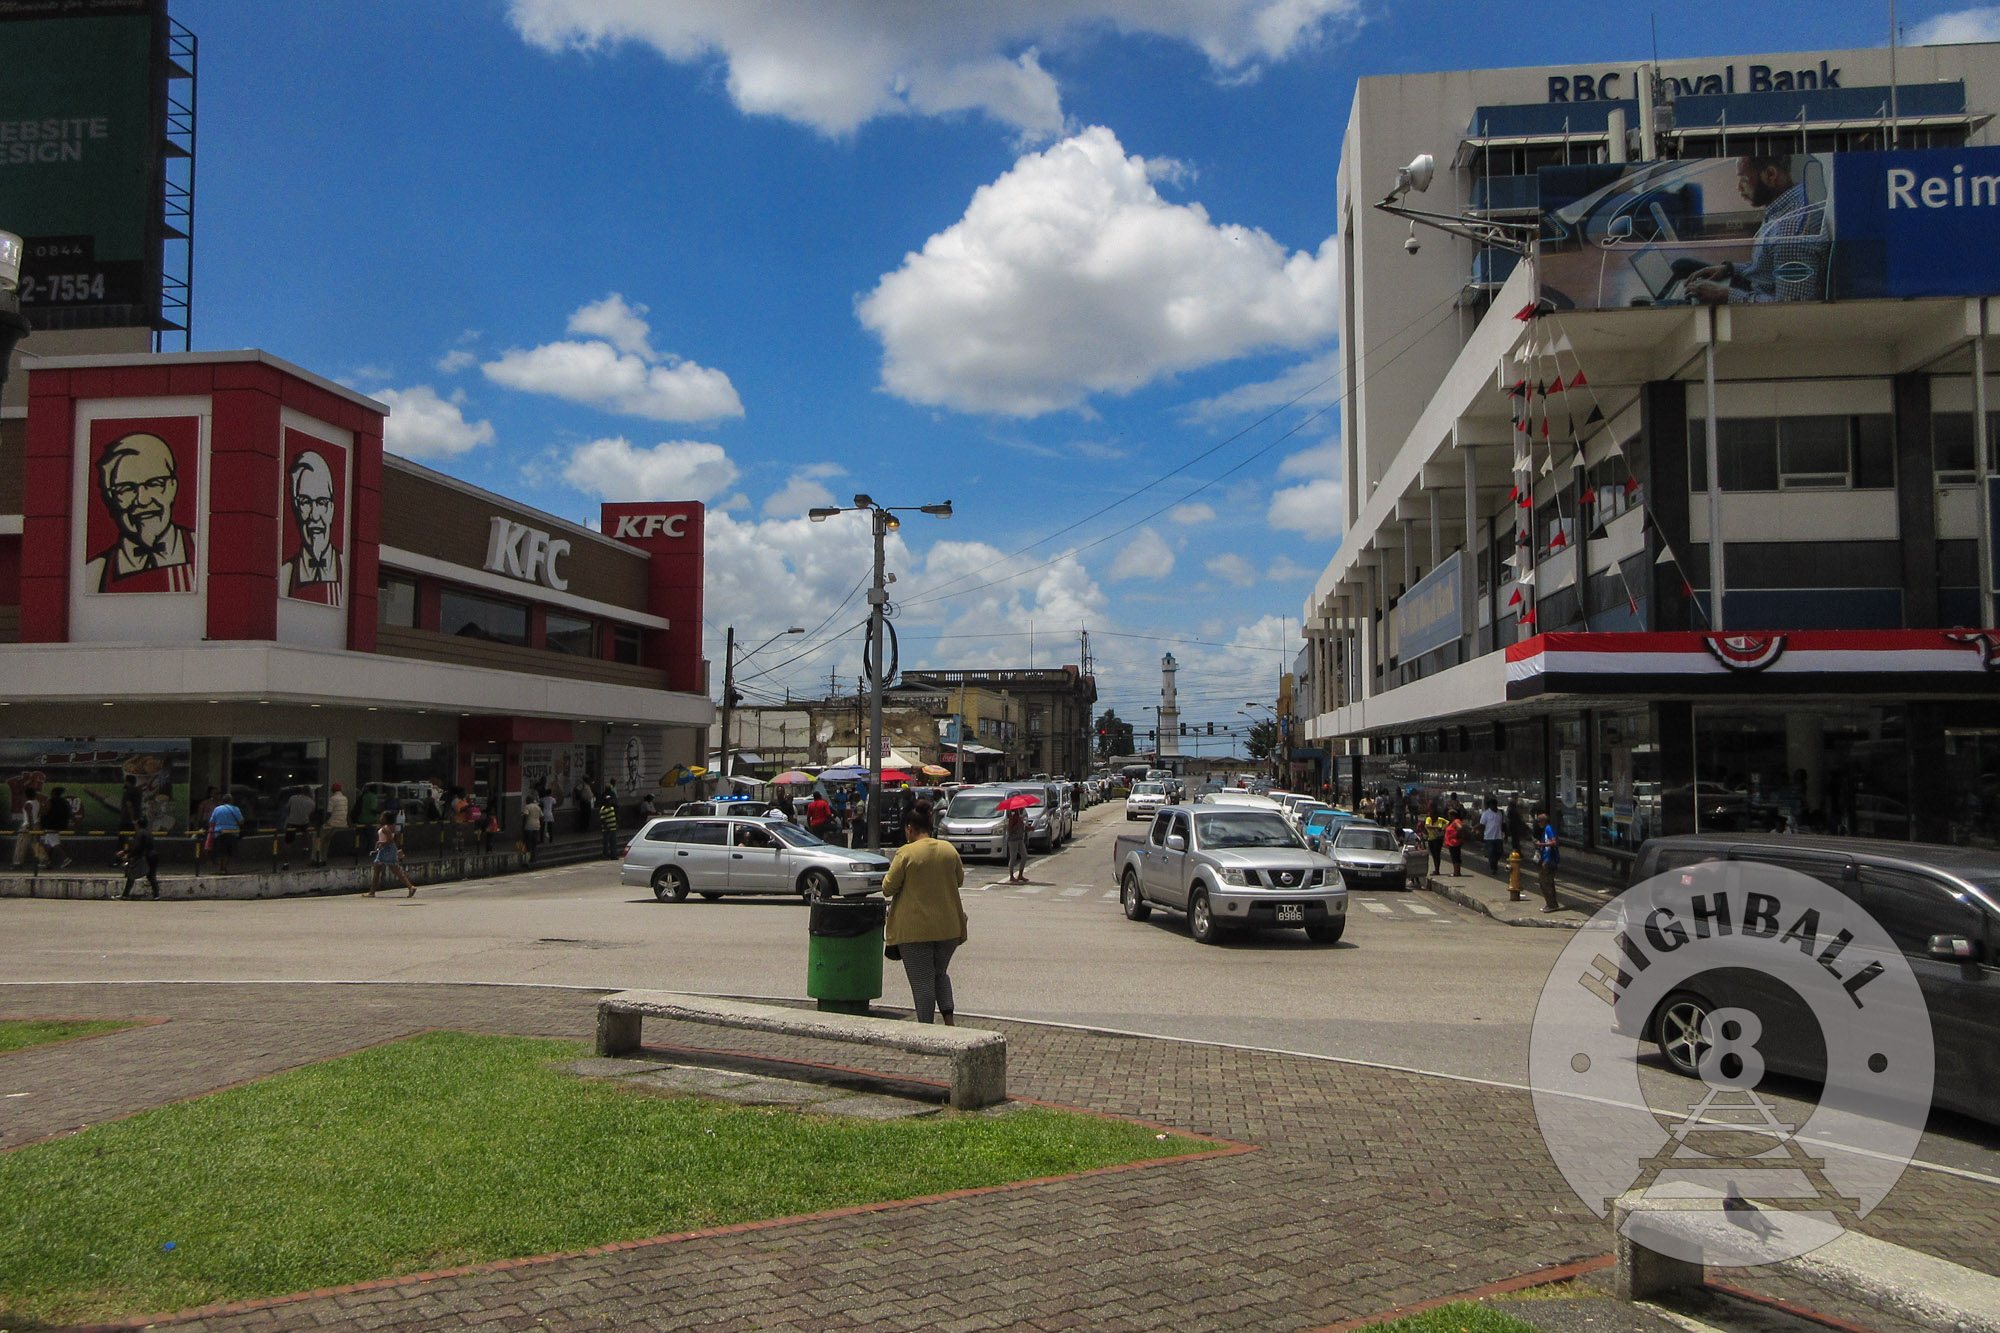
x,y
650,525
522,552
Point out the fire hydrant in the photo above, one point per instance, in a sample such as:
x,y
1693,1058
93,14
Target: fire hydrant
x,y
1514,894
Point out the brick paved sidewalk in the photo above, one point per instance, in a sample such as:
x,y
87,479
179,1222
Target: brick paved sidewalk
x,y
1371,1188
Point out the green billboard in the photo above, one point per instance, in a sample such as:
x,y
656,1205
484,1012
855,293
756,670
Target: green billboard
x,y
80,157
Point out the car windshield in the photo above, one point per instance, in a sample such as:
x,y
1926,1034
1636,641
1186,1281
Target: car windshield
x,y
983,806
1366,839
1317,817
794,836
1244,828
1149,789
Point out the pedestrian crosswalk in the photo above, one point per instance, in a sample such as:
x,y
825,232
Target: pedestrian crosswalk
x,y
1403,907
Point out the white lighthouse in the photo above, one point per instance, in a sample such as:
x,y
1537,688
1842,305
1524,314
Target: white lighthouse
x,y
1170,712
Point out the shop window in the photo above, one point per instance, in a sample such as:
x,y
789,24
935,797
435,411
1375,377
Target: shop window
x,y
404,775
1972,766
1571,814
1628,779
1951,446
265,773
1836,769
471,616
396,601
625,645
574,635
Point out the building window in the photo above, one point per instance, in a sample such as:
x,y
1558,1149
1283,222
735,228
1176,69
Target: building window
x,y
1951,446
571,634
1796,453
263,775
625,645
391,775
396,601
471,616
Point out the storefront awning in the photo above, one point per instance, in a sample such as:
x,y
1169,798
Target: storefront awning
x,y
1920,661
276,673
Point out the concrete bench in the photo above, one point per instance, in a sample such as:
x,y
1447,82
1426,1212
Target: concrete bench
x,y
978,1058
1920,1288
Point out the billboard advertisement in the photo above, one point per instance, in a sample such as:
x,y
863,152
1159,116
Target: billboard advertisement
x,y
313,550
1431,614
113,784
1754,230
80,157
142,532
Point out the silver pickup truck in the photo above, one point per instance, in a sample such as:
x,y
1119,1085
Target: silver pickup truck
x,y
1230,868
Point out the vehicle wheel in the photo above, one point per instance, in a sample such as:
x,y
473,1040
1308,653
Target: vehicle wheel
x,y
1677,1031
816,886
1134,902
712,897
1329,933
1201,921
670,883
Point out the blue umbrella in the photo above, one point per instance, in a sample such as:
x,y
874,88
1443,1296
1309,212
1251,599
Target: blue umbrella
x,y
843,774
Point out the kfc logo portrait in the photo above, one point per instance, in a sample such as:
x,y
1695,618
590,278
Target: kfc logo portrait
x,y
141,530
315,528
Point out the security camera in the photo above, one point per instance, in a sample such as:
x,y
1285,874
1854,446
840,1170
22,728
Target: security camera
x,y
1411,244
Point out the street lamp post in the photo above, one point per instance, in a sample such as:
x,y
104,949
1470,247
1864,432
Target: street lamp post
x,y
729,689
884,521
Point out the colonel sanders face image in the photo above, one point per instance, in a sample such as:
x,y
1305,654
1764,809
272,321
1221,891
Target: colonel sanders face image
x,y
314,574
138,481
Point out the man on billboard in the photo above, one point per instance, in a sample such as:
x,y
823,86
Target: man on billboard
x,y
314,574
138,481
1788,256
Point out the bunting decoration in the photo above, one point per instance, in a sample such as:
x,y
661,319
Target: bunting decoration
x,y
1559,541
1515,600
1588,497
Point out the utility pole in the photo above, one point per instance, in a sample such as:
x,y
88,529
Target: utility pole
x,y
958,729
728,699
883,521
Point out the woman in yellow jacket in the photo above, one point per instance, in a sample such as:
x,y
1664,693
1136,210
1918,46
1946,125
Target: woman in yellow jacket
x,y
926,917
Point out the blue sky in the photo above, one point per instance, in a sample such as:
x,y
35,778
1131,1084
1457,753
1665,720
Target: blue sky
x,y
1030,257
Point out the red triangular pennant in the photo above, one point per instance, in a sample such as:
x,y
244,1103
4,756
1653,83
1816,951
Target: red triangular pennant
x,y
1526,501
1527,617
1526,312
1517,389
1557,542
1589,497
1513,495
1631,485
1545,428
1579,381
1556,384
1515,600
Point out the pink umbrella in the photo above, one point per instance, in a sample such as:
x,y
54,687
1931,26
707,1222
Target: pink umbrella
x,y
1020,800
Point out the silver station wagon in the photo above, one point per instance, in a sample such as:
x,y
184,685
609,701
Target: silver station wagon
x,y
674,856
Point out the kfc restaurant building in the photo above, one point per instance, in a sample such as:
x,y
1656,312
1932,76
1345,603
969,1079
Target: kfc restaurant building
x,y
212,575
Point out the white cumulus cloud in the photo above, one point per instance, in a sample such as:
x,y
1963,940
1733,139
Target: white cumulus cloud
x,y
1233,568
836,64
613,469
617,370
1313,509
1285,569
798,494
1070,275
1964,25
1192,513
423,425
1146,556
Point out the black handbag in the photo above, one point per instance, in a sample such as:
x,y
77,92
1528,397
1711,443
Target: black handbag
x,y
893,952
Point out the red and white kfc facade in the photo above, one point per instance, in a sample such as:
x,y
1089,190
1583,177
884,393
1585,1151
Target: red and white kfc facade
x,y
212,576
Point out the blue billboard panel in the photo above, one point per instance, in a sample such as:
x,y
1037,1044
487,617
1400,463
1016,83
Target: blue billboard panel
x,y
1431,614
1751,230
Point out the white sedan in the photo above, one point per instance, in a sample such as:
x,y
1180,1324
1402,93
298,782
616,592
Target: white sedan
x,y
717,856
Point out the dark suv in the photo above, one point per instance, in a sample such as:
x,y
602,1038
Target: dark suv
x,y
1939,905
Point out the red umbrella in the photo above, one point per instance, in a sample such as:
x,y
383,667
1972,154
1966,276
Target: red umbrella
x,y
894,775
1020,800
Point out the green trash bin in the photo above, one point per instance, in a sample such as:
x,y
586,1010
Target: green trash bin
x,y
844,953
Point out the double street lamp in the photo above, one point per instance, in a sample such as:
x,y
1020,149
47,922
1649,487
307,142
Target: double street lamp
x,y
884,521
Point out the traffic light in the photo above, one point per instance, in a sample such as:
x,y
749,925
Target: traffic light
x,y
1211,728
1183,728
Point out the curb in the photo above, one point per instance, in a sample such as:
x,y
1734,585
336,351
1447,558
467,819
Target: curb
x,y
1466,898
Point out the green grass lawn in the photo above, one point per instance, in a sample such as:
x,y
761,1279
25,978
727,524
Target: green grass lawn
x,y
20,1033
449,1149
1456,1317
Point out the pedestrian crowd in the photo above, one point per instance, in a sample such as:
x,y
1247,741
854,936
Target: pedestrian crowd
x,y
1442,827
